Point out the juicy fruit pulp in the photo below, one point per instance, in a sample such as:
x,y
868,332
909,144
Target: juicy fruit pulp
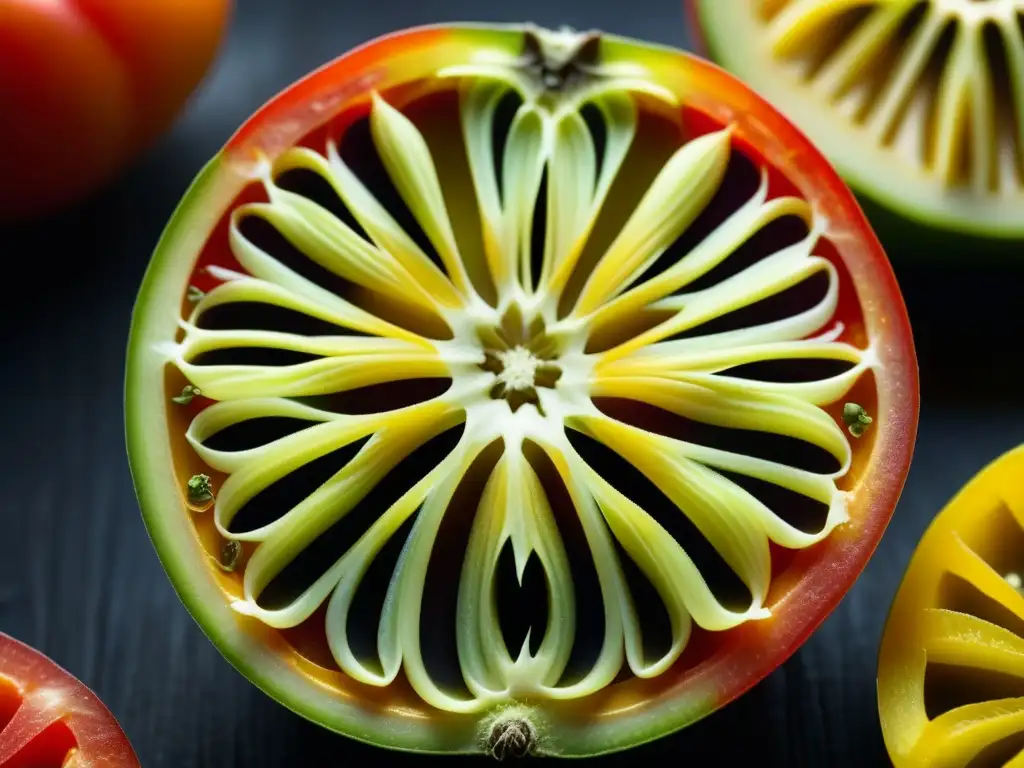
x,y
918,102
49,719
508,395
950,679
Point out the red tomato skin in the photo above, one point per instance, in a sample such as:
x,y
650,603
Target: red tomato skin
x,y
85,85
53,715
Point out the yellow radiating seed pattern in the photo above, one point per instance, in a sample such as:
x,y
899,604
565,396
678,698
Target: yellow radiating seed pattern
x,y
951,661
521,373
941,81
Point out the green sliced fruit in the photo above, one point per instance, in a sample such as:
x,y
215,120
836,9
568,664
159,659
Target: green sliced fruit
x,y
918,103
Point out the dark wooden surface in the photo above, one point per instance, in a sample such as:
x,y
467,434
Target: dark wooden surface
x,y
79,578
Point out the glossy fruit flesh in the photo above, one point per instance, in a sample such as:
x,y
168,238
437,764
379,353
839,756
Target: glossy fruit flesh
x,y
507,395
950,678
49,719
918,104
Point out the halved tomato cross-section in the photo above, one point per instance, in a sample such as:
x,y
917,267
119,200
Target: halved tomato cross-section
x,y
500,389
50,719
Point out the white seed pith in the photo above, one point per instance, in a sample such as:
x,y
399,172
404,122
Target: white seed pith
x,y
520,367
683,375
937,109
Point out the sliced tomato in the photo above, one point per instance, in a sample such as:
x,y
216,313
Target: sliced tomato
x,y
293,663
49,718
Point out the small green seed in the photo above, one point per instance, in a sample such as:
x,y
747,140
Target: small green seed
x,y
186,395
194,294
856,419
230,553
199,489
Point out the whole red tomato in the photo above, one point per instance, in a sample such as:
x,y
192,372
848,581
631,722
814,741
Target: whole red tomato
x,y
86,84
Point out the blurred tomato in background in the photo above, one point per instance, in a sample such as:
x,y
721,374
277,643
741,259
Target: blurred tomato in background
x,y
85,85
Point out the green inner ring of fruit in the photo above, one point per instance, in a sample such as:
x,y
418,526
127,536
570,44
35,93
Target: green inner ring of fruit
x,y
938,83
479,315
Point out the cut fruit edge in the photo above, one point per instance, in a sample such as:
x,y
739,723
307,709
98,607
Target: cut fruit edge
x,y
754,649
731,39
56,715
930,623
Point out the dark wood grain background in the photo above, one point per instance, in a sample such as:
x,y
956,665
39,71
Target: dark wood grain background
x,y
79,578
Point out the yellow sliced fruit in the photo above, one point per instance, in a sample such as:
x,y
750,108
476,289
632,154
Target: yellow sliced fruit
x,y
951,666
